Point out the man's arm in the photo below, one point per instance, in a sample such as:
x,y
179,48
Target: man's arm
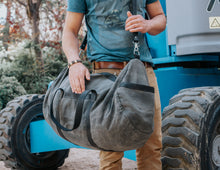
x,y
70,43
153,26
157,18
70,34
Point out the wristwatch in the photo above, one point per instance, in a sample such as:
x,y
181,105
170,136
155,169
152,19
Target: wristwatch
x,y
74,62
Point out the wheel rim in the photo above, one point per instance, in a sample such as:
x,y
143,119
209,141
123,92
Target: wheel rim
x,y
214,137
22,136
27,140
216,151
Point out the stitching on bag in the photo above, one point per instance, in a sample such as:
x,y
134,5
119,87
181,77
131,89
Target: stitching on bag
x,y
123,108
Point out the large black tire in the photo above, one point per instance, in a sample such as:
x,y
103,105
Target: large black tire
x,y
15,136
191,130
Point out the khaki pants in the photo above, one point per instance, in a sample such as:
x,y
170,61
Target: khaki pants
x,y
148,157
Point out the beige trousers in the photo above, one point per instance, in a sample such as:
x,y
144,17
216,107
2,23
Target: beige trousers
x,y
148,157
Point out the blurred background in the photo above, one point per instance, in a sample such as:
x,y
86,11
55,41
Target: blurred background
x,y
30,46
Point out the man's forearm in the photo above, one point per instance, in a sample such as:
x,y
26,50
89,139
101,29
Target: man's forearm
x,y
70,45
157,24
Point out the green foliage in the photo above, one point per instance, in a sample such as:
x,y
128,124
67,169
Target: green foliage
x,y
19,72
26,70
24,67
54,61
9,89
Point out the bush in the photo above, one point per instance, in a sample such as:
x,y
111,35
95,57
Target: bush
x,y
25,69
18,65
9,89
54,61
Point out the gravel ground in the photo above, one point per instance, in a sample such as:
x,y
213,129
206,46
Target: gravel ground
x,y
84,159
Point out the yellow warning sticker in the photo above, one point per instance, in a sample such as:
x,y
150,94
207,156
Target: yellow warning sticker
x,y
214,22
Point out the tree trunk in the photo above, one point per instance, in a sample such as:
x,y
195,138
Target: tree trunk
x,y
6,34
33,15
35,38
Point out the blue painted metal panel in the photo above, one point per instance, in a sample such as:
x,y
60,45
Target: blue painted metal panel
x,y
158,45
191,58
171,80
163,4
44,139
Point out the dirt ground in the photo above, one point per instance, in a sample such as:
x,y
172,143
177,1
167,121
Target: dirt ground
x,y
84,159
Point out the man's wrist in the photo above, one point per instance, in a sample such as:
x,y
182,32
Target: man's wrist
x,y
74,62
148,26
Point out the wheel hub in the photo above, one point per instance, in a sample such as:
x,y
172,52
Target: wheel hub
x,y
216,151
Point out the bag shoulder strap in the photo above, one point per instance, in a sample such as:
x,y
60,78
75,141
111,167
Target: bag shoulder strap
x,y
136,39
134,7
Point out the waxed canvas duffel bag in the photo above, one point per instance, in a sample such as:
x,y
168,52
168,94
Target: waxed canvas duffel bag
x,y
112,114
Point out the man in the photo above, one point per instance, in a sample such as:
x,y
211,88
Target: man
x,y
110,26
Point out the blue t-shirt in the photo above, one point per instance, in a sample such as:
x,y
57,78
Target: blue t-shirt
x,y
106,36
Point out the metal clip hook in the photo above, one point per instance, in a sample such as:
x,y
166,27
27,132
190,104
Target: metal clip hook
x,y
136,50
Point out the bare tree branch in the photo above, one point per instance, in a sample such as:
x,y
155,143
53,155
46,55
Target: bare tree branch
x,y
21,3
49,10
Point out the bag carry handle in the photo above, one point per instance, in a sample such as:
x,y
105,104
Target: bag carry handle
x,y
79,109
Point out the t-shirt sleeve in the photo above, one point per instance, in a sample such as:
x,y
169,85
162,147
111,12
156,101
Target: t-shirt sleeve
x,y
78,6
150,1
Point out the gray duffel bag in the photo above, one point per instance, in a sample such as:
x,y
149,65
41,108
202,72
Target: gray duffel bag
x,y
113,114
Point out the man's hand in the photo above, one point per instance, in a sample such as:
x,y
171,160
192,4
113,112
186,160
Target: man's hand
x,y
77,74
137,23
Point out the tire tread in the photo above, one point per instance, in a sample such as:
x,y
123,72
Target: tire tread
x,y
181,126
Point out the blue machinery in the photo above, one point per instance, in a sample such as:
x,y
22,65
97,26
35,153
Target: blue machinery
x,y
185,58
